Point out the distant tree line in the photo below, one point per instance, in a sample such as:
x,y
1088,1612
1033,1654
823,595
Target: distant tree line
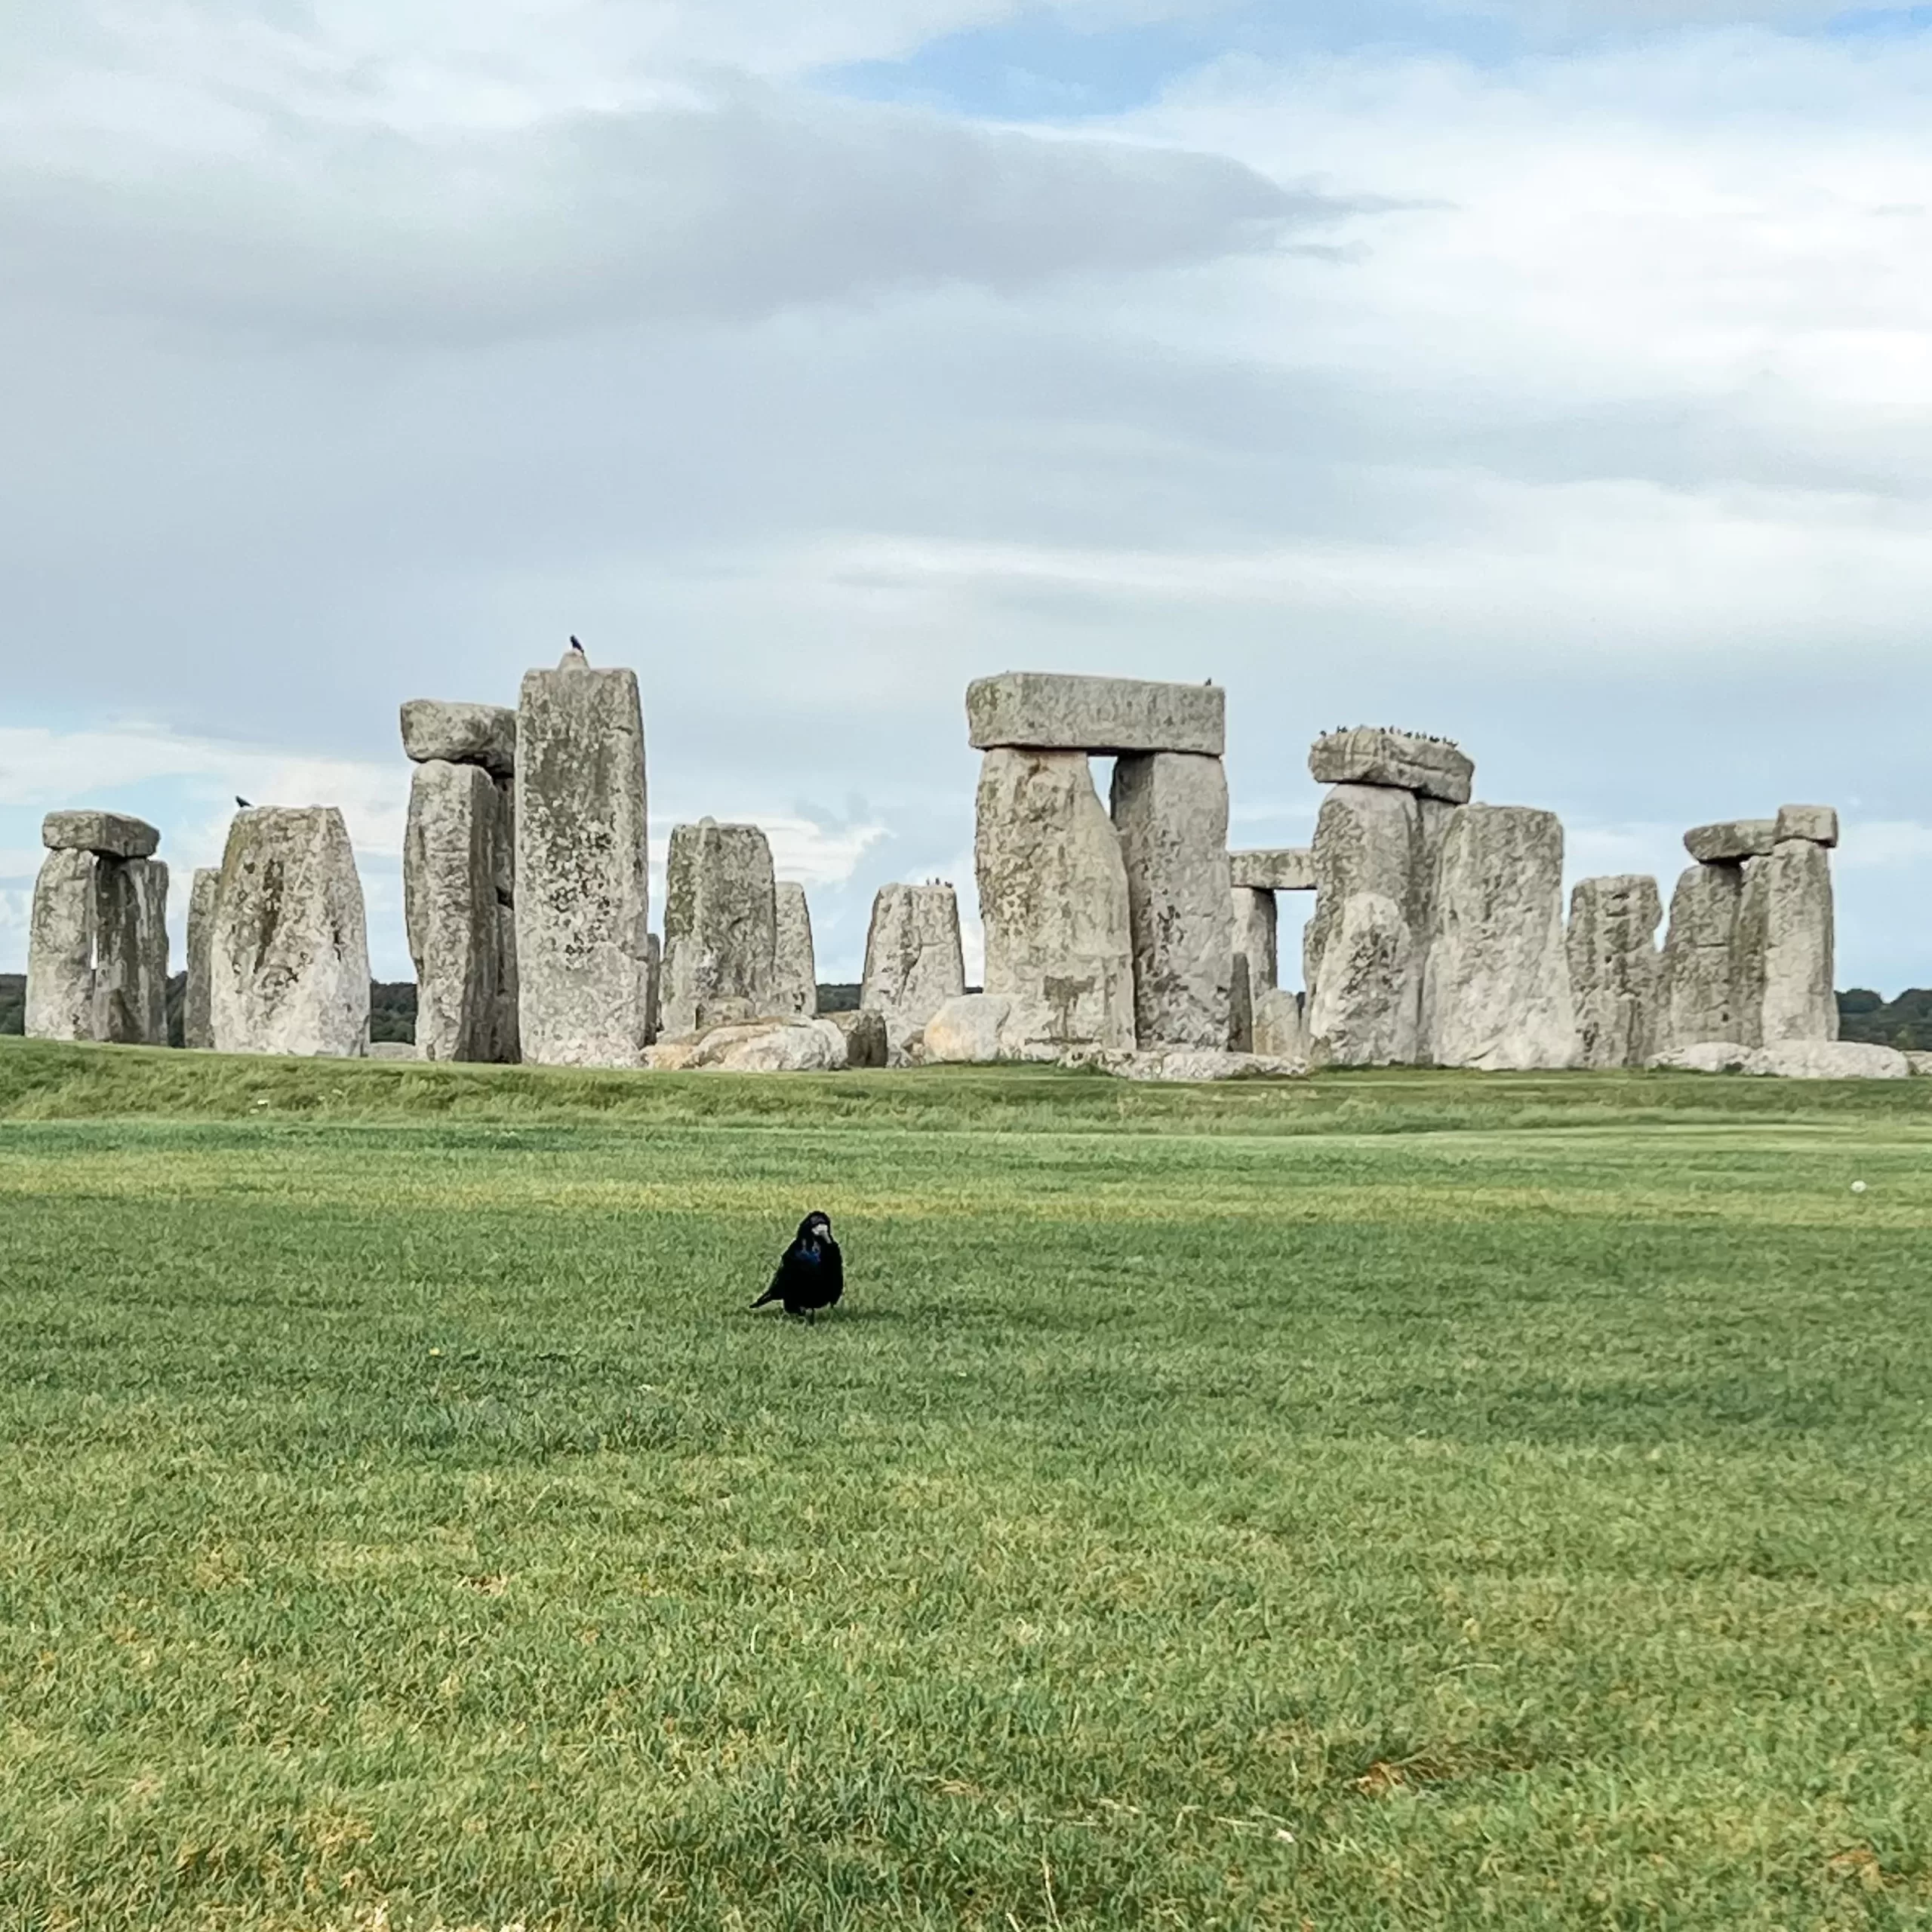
x,y
1905,1022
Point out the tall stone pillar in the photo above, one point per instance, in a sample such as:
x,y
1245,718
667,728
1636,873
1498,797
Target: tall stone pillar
x,y
1800,999
914,961
1615,973
289,956
1171,811
721,927
583,879
60,948
1701,995
97,946
795,964
1394,799
197,1028
1497,995
131,973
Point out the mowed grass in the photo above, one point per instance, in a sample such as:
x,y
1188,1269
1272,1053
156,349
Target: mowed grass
x,y
1375,1501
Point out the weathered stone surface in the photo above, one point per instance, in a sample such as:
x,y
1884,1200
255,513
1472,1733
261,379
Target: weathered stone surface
x,y
1280,868
1919,1063
1798,1001
978,1028
1730,840
671,1056
720,927
1818,823
772,1046
1498,994
1256,965
289,960
654,991
509,1025
913,964
131,952
1280,1027
61,947
483,734
582,889
392,1050
1704,1057
1700,987
795,966
1045,711
1192,1064
867,1044
197,1028
109,834
1053,898
1364,946
1828,1060
1616,976
1170,811
1750,951
452,911
1432,767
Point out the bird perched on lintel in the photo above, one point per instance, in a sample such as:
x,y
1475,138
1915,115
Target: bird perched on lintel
x,y
811,1271
579,650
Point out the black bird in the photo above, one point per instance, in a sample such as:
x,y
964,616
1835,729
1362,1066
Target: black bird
x,y
243,803
811,1271
579,649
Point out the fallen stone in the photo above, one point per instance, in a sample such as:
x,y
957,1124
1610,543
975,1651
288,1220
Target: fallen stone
x,y
131,952
720,927
1284,869
979,1029
1170,812
289,957
1363,947
1920,1063
794,968
197,1028
1730,840
451,912
483,734
671,1056
1192,1064
1704,1057
866,1041
1828,1060
1498,995
1798,1001
1044,711
60,946
1053,898
1615,973
1818,823
914,963
1280,1027
392,1050
1255,965
582,889
1702,993
109,835
772,1046
1431,768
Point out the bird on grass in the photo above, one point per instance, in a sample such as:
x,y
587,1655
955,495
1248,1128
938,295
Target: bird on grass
x,y
811,1271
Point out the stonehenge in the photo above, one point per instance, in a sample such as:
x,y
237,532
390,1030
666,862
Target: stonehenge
x,y
98,934
914,961
583,884
288,951
1255,877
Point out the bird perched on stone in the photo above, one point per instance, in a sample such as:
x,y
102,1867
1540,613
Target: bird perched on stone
x,y
243,803
811,1271
579,650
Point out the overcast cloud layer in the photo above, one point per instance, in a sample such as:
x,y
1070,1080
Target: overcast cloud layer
x,y
1557,376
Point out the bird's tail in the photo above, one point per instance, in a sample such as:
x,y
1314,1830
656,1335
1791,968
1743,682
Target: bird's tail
x,y
769,1294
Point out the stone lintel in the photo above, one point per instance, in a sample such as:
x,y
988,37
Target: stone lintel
x,y
1404,761
1731,841
1818,823
1280,868
458,733
1047,711
108,834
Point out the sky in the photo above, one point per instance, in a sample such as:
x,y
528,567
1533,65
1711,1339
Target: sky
x,y
1555,377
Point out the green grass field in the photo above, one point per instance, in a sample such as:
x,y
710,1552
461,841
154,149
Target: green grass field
x,y
1374,1501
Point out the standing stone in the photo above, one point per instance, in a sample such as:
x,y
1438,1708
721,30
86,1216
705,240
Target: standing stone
x,y
1701,995
1498,992
1170,811
1799,1002
795,966
1365,945
654,1003
914,962
720,919
1256,968
131,952
197,1029
289,957
1281,1026
1750,942
61,948
583,882
450,910
1615,974
1053,898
